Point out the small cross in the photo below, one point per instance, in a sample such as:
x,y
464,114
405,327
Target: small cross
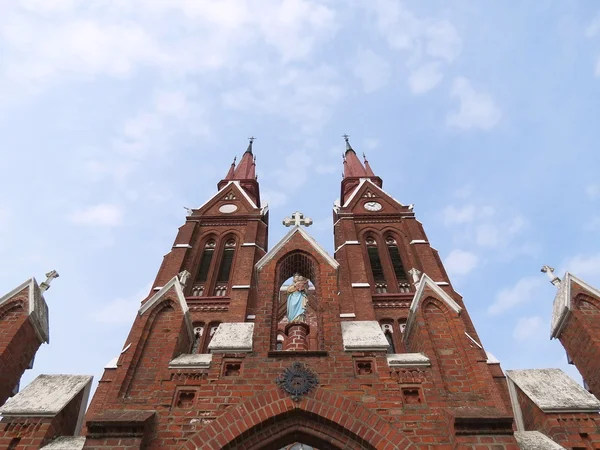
x,y
345,136
251,139
49,277
550,272
297,219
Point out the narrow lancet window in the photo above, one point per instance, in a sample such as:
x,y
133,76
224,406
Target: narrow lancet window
x,y
225,268
396,260
202,275
376,267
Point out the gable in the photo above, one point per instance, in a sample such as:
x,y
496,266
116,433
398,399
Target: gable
x,y
296,230
561,308
368,192
427,283
38,309
230,199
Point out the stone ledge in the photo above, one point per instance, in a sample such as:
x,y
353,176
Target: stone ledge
x,y
292,354
408,360
552,390
232,338
191,361
534,440
363,335
66,443
47,395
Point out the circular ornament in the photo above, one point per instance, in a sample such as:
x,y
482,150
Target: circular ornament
x,y
372,206
228,208
297,380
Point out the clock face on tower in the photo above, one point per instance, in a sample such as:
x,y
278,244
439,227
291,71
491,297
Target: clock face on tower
x,y
372,206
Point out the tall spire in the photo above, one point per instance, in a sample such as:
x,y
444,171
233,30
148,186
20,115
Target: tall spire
x,y
245,169
231,171
352,165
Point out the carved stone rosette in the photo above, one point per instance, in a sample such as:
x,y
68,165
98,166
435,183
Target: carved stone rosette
x,y
297,380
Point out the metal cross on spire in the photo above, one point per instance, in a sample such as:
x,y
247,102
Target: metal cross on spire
x,y
550,272
251,139
297,219
49,277
345,136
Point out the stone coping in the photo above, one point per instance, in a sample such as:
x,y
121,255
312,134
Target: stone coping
x,y
66,443
191,361
534,440
408,360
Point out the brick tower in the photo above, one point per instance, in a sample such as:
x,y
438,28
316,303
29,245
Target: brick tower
x,y
239,346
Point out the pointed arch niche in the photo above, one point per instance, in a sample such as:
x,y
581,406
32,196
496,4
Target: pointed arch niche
x,y
304,264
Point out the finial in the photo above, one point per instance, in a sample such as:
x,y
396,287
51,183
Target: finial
x,y
251,139
183,277
234,160
348,146
49,277
364,157
550,272
297,219
189,211
416,275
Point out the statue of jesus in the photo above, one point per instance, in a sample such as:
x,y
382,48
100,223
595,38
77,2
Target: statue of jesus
x,y
297,299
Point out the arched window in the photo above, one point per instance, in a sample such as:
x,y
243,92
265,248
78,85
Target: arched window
x,y
388,333
225,268
280,341
396,260
202,275
198,335
376,267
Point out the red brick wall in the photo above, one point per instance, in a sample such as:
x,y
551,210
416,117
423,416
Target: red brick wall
x,y
18,342
581,337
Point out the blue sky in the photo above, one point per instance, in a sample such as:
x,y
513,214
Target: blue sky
x,y
115,115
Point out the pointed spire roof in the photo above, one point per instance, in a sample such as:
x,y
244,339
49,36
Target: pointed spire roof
x,y
231,171
368,167
352,165
246,168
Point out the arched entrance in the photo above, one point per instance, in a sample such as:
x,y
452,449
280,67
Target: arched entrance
x,y
323,419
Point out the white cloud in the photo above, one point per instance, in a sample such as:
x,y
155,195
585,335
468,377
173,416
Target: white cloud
x,y
371,69
475,110
593,191
594,27
456,215
487,235
425,78
584,266
527,328
273,198
121,310
103,215
522,292
460,262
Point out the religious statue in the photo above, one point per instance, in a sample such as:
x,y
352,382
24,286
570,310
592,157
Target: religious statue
x,y
297,299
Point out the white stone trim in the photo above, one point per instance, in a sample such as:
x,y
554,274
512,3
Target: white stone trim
x,y
66,443
232,337
363,336
126,348
443,296
191,361
38,308
473,340
419,241
251,317
296,229
408,360
561,310
442,283
237,184
241,286
553,391
347,316
253,244
491,359
363,181
157,288
514,400
346,243
361,285
535,440
182,246
112,364
173,283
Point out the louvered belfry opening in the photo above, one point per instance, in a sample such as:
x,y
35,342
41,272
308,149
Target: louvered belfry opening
x,y
396,260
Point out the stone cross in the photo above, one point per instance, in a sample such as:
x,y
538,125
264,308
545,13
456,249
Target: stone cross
x,y
49,277
550,272
416,275
297,219
183,277
189,211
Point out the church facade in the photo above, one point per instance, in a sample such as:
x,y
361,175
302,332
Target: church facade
x,y
242,345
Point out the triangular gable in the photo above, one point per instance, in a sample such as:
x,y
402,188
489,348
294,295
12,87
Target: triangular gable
x,y
562,302
427,282
233,186
156,298
297,229
38,309
372,187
